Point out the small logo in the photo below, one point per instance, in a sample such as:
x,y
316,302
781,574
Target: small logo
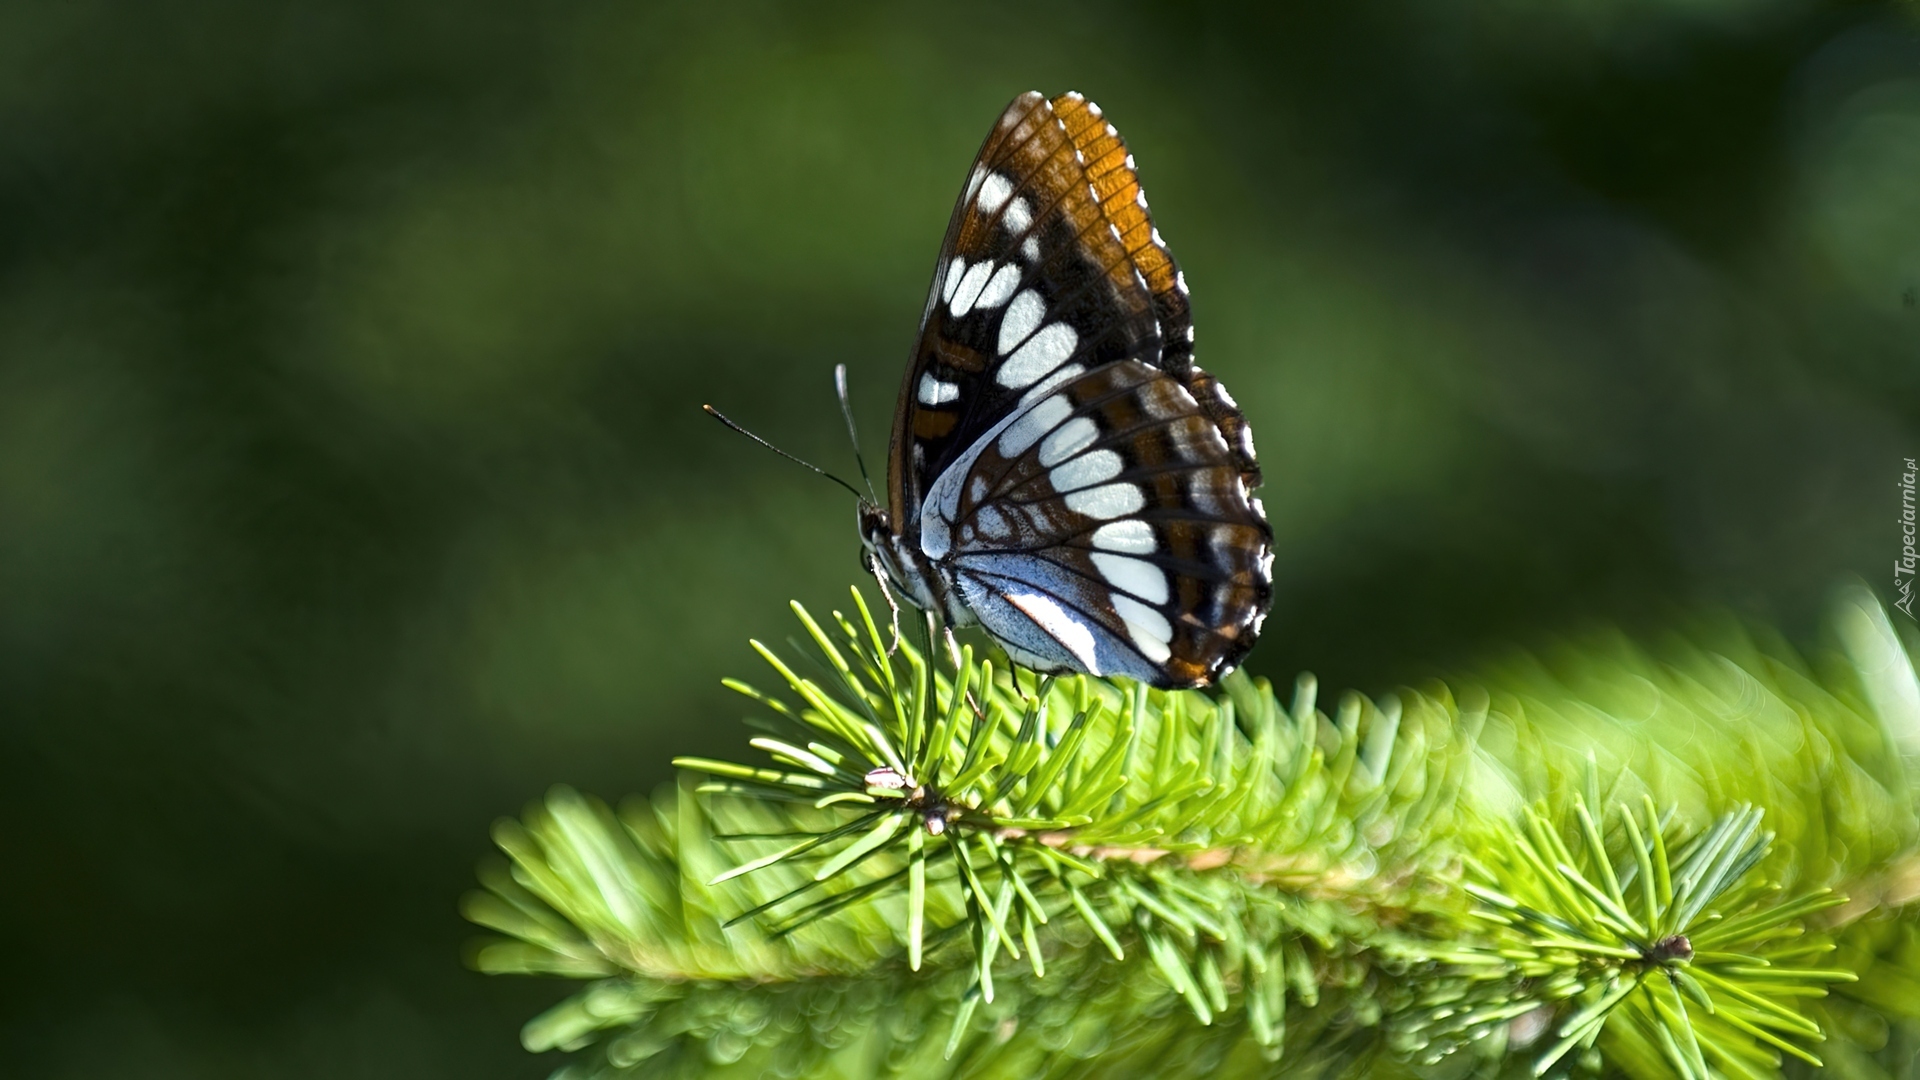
x,y
1903,567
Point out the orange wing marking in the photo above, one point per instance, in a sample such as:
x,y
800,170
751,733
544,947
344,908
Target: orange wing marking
x,y
1116,187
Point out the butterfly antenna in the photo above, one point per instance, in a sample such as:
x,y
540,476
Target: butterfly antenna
x,y
846,410
720,416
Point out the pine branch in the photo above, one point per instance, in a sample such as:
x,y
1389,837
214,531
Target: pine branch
x,y
969,871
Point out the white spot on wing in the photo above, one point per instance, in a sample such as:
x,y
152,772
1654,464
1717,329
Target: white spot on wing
x,y
993,192
1018,216
1180,281
974,280
1195,441
1176,402
1032,424
1150,631
1022,316
951,279
1070,439
999,287
935,392
1085,470
1045,350
1141,578
1030,247
1133,536
1109,501
1062,626
1203,499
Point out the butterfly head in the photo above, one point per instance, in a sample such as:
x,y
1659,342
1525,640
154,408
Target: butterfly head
x,y
895,563
876,531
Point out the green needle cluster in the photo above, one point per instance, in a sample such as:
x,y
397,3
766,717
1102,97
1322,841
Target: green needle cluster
x,y
1629,930
941,866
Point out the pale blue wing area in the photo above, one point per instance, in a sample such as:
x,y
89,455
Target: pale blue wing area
x,y
1042,614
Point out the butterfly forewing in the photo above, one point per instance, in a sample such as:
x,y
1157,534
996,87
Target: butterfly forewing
x,y
1076,484
1031,277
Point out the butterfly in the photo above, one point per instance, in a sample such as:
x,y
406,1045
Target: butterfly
x,y
1061,473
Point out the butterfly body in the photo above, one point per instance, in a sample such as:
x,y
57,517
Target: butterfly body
x,y
1060,472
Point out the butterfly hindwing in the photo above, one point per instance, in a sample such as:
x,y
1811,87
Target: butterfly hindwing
x,y
1105,527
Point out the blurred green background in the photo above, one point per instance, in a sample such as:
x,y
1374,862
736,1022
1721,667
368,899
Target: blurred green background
x,y
353,486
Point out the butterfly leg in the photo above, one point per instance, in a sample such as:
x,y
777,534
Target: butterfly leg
x,y
953,650
872,562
